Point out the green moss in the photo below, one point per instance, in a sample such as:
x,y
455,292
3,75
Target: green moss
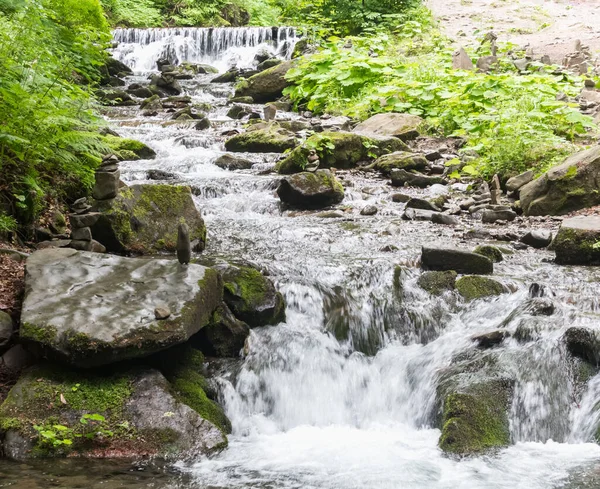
x,y
436,283
476,287
39,334
491,252
250,285
570,173
128,149
576,247
271,139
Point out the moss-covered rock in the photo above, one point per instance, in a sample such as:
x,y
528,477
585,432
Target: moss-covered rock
x,y
475,418
578,241
436,283
144,219
225,336
129,149
269,139
90,309
569,186
475,287
55,412
251,296
339,150
311,190
266,86
491,252
400,159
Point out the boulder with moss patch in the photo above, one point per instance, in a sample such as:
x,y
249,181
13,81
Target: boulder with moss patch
x,y
578,241
567,187
269,138
52,412
266,86
339,150
90,309
251,296
311,190
491,252
143,219
400,159
436,283
129,149
474,287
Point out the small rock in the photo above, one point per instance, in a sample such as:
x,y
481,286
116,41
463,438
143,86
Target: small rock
x,y
416,203
537,238
84,220
466,204
369,210
417,215
490,216
489,340
472,287
461,261
541,306
17,358
461,60
491,252
515,183
270,112
388,249
184,247
162,313
82,234
438,218
6,329
400,198
107,185
402,177
583,343
437,282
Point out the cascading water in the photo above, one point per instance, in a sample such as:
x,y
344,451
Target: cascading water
x,y
344,394
222,47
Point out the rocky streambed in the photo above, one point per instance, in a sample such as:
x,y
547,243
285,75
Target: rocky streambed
x,y
425,319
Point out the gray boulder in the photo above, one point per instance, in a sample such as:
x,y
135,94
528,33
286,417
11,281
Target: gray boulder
x,y
537,238
575,242
403,126
461,261
311,190
89,309
414,179
266,86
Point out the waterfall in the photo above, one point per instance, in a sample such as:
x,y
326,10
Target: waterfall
x,y
221,47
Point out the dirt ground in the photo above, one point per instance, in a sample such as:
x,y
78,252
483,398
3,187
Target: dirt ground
x,y
548,26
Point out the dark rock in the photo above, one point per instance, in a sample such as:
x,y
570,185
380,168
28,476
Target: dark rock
x,y
142,92
311,190
414,179
438,218
436,283
417,215
231,162
490,216
144,219
225,336
227,77
540,306
115,97
490,340
268,63
238,112
202,124
491,252
160,175
575,242
16,359
416,203
101,311
400,198
583,343
369,210
167,83
117,68
537,238
461,261
266,86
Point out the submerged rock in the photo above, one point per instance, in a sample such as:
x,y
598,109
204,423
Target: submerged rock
x,y
583,343
475,287
144,219
266,86
339,150
252,297
135,414
311,190
567,187
89,309
224,336
436,283
461,261
489,340
403,126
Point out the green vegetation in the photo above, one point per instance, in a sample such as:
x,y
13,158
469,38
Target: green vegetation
x,y
50,51
511,122
474,287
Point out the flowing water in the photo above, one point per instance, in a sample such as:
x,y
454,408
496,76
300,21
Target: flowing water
x,y
343,394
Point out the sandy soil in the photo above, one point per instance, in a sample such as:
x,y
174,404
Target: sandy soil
x,y
548,26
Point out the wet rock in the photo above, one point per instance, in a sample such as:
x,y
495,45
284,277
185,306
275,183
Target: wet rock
x,y
202,124
144,219
89,309
540,306
228,77
115,97
490,340
515,183
491,252
137,399
241,100
224,336
417,203
162,313
474,287
272,139
141,92
403,126
238,112
166,82
490,216
6,330
311,190
231,162
461,261
252,297
417,215
129,149
537,238
583,343
399,160
160,175
436,283
117,68
369,210
445,219
567,187
414,179
348,150
475,417
268,63
269,113
400,198
575,242
330,215
266,86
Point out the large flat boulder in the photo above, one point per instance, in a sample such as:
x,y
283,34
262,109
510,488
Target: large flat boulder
x,y
567,187
578,241
338,149
310,190
52,412
143,219
266,86
461,261
90,309
399,160
268,139
403,126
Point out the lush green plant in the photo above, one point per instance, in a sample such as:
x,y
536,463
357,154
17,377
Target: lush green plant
x,y
48,49
8,224
511,122
58,436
